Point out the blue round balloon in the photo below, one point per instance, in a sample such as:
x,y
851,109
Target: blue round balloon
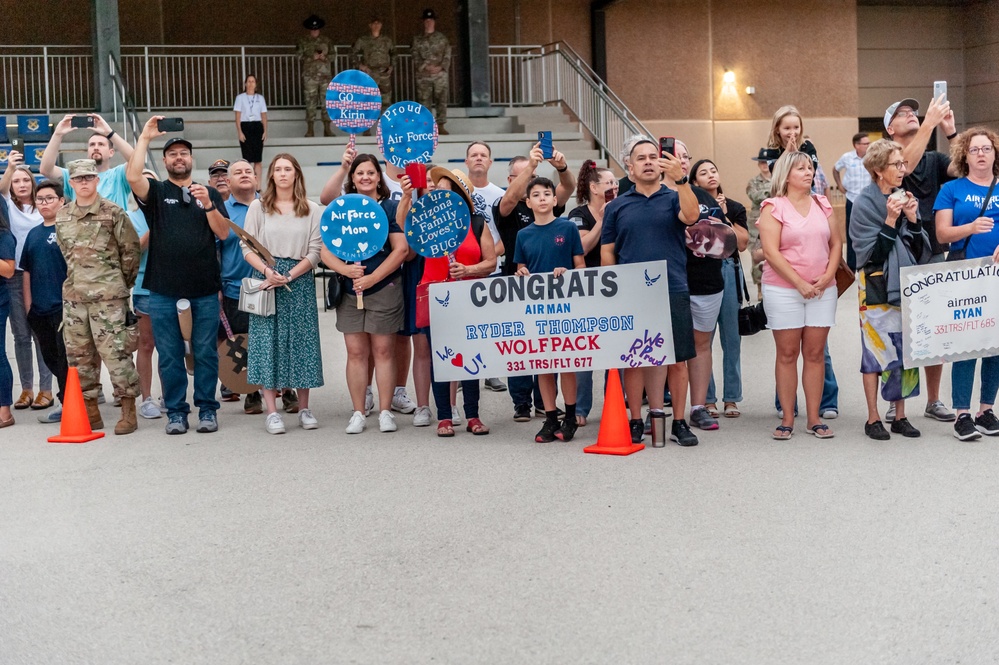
x,y
407,132
353,101
354,227
437,223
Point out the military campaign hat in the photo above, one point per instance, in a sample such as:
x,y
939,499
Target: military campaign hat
x,y
313,23
81,167
428,13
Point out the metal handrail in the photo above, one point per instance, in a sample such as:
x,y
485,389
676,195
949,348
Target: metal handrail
x,y
557,74
123,101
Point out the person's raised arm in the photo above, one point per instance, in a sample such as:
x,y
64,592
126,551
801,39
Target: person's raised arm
x,y
133,171
690,209
216,220
48,167
566,181
14,159
118,142
517,190
334,186
935,113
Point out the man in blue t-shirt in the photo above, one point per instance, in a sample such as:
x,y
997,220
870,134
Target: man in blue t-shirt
x,y
101,147
44,272
647,223
552,245
242,188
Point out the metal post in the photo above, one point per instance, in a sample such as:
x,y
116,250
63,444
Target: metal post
x,y
149,94
477,72
106,40
45,74
242,58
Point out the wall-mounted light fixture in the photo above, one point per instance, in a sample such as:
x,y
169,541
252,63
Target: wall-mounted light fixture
x,y
750,90
729,77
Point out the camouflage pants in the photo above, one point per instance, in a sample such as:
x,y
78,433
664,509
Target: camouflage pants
x,y
384,81
314,91
96,331
431,92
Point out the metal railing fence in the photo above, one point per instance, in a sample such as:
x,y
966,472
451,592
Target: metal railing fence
x,y
124,108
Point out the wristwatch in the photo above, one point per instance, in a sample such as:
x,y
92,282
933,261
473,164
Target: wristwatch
x,y
214,207
682,181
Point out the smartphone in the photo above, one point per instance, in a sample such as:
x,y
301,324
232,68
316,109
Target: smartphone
x,y
899,195
17,144
609,195
667,144
547,149
417,173
940,88
82,121
170,125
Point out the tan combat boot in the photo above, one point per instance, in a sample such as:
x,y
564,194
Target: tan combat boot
x,y
94,414
127,424
328,128
310,132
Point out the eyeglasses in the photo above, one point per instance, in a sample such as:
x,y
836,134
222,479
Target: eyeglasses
x,y
46,200
84,178
985,150
899,165
905,114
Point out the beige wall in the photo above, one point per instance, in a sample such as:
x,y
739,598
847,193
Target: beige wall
x,y
981,63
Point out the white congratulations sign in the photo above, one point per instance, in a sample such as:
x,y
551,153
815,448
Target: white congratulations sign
x,y
591,318
949,311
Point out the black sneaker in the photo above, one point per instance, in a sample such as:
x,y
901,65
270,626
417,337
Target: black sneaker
x,y
567,429
547,432
987,423
904,427
964,428
877,431
637,430
289,400
253,404
522,413
681,433
540,412
648,423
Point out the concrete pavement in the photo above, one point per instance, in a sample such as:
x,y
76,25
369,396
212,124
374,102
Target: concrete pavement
x,y
319,547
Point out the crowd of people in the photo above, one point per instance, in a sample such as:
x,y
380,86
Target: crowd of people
x,y
104,264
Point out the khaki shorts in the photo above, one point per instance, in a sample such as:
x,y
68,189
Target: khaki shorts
x,y
382,313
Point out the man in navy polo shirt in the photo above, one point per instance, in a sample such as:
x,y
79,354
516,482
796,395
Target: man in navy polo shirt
x,y
647,224
184,220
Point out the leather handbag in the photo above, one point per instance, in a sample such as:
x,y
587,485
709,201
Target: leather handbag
x,y
423,305
752,318
335,288
844,278
254,298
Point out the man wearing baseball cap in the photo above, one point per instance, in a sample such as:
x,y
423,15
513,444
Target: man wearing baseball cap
x,y
102,256
218,177
926,171
184,220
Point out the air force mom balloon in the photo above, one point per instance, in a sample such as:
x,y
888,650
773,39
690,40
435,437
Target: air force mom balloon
x,y
354,227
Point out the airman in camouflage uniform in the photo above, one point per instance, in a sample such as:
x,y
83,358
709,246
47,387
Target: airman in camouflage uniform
x,y
315,52
758,190
102,256
374,54
432,62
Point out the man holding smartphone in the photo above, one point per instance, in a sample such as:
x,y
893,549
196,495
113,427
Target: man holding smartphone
x,y
184,220
101,147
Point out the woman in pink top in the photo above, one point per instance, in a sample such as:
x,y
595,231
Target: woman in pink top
x,y
802,252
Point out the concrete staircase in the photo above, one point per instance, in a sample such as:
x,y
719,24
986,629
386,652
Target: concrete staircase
x,y
511,133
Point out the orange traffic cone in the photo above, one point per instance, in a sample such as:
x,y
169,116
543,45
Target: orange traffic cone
x,y
75,426
614,437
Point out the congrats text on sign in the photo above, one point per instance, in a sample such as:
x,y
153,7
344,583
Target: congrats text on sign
x,y
590,318
949,311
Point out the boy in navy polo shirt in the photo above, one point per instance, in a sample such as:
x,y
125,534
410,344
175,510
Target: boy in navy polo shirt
x,y
44,272
552,245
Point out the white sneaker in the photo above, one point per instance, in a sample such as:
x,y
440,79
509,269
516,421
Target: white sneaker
x,y
369,401
160,405
830,414
386,422
149,409
422,417
356,424
401,402
455,415
275,424
307,420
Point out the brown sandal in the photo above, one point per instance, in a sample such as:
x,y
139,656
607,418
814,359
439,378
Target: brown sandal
x,y
476,427
43,400
445,428
24,401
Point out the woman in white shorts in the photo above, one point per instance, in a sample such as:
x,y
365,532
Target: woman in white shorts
x,y
802,252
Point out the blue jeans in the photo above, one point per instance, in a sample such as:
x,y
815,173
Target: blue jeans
x,y
731,342
6,374
830,389
24,339
962,380
170,347
442,395
584,393
521,389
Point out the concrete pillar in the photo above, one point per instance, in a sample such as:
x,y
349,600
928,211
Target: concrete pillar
x,y
476,53
106,40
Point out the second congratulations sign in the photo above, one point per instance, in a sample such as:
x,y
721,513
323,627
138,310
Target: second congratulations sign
x,y
591,318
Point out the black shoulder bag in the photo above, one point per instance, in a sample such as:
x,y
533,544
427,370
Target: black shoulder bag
x,y
752,318
960,254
